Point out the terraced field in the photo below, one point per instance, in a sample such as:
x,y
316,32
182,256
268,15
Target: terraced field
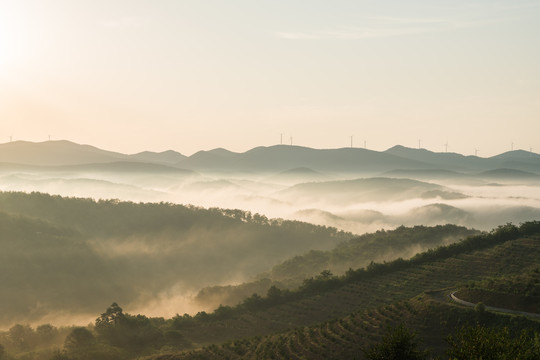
x,y
337,323
345,338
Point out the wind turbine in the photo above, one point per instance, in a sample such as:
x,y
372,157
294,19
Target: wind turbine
x,y
446,147
476,152
351,141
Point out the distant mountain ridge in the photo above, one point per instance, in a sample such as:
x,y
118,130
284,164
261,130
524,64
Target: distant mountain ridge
x,y
273,159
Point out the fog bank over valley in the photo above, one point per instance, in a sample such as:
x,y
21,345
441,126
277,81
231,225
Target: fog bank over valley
x,y
244,215
352,189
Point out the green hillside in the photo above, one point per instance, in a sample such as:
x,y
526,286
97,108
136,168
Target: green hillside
x,y
75,256
336,317
357,252
516,292
329,316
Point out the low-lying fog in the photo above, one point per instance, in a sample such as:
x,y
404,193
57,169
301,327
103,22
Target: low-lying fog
x,y
357,204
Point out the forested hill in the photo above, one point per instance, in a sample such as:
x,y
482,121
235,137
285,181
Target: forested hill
x,y
73,256
383,245
331,317
328,317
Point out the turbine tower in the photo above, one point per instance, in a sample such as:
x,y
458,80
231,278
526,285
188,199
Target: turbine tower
x,y
351,141
476,152
446,147
281,139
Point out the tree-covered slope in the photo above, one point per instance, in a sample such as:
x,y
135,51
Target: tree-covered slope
x,y
383,245
366,301
75,256
328,316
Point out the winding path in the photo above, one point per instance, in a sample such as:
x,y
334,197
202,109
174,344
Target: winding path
x,y
508,311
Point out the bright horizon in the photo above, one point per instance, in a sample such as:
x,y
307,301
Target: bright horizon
x,y
130,76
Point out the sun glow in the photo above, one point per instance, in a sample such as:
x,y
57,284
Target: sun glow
x,y
14,38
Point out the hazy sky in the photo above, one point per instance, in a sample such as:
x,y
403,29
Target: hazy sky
x,y
195,74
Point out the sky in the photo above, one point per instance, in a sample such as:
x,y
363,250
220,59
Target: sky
x,y
190,75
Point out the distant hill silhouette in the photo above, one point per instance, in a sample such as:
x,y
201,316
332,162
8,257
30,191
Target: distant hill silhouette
x,y
449,161
278,158
283,157
168,157
517,159
54,153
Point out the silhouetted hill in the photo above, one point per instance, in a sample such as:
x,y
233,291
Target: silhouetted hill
x,y
55,153
517,155
518,159
274,159
63,152
448,161
282,158
168,157
354,160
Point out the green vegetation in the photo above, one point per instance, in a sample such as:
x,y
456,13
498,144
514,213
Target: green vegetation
x,y
479,342
375,247
519,292
398,344
27,342
75,256
330,315
358,252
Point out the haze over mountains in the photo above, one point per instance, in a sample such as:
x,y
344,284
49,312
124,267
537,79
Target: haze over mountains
x,y
69,258
354,189
271,159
